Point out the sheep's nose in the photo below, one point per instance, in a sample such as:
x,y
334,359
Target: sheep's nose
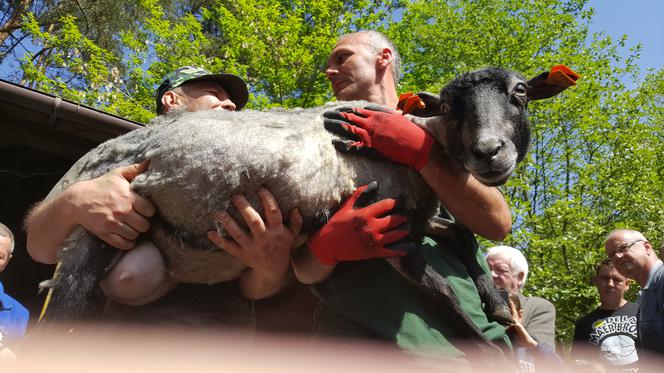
x,y
487,148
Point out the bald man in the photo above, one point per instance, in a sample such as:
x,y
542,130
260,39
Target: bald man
x,y
634,257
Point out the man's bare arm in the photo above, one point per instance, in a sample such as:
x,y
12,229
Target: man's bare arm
x,y
481,208
105,206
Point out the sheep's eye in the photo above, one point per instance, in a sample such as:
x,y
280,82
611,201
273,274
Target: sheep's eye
x,y
520,89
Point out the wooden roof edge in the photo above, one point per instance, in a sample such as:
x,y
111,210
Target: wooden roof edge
x,y
44,109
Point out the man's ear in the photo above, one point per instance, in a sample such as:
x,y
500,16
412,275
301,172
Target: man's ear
x,y
519,277
551,83
170,100
385,57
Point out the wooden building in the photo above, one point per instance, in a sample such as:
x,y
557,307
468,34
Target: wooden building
x,y
41,136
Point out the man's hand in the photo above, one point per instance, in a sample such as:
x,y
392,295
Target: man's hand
x,y
373,130
110,209
519,330
266,248
358,231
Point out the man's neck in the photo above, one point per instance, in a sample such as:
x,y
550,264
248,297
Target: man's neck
x,y
383,95
610,306
645,274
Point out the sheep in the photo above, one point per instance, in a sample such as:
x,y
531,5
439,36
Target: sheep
x,y
199,160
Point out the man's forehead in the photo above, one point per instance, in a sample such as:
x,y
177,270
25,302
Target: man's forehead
x,y
499,257
350,42
621,237
609,271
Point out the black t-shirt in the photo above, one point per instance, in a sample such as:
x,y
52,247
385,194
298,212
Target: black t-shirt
x,y
614,332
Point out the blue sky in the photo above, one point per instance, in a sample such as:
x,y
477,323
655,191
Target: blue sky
x,y
641,20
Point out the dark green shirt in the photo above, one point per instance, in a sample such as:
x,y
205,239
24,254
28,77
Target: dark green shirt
x,y
372,294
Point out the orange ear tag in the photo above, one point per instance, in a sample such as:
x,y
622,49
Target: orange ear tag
x,y
562,75
410,101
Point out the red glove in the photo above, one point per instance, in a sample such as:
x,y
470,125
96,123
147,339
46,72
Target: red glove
x,y
356,232
373,130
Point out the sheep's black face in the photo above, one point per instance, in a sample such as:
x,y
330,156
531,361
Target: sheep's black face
x,y
486,113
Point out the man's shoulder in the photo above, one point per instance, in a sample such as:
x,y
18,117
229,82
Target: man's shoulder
x,y
13,306
590,317
538,302
659,274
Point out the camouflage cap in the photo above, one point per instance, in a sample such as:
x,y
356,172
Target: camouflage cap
x,y
233,84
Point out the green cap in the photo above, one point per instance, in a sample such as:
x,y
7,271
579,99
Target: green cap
x,y
233,84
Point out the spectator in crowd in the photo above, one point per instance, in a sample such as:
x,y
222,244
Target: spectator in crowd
x,y
530,354
509,269
608,334
110,209
13,316
635,258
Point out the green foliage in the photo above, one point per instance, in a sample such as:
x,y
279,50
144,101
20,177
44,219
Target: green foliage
x,y
596,162
280,48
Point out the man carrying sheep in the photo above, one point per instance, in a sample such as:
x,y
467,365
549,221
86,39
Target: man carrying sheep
x,y
110,209
365,65
363,296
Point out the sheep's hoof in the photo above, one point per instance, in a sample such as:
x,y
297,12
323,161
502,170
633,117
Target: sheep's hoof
x,y
495,307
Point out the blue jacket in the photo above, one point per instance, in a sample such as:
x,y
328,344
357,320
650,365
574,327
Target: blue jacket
x,y
651,312
13,318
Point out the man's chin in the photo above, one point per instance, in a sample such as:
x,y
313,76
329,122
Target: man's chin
x,y
348,94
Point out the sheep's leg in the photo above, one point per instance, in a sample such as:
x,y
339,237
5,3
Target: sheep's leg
x,y
75,290
414,268
495,306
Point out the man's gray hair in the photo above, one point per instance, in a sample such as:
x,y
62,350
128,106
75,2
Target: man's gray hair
x,y
517,260
6,232
378,40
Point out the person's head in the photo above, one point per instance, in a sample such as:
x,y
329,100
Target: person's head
x,y
196,89
631,253
364,65
611,285
6,246
509,267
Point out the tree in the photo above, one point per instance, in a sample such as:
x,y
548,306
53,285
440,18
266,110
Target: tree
x,y
279,47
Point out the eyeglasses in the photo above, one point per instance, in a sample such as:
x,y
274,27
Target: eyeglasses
x,y
621,249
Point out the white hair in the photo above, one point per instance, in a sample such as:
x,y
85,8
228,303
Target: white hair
x,y
6,232
517,260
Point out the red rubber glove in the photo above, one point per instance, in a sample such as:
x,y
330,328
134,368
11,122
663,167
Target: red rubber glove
x,y
374,130
356,232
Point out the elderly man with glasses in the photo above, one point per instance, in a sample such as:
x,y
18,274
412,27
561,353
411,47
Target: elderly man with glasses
x,y
634,257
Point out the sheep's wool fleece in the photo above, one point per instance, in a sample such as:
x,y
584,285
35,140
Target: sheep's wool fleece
x,y
199,160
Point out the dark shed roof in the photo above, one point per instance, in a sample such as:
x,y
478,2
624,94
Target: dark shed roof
x,y
40,138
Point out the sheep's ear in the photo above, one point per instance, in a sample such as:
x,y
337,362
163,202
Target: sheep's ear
x,y
431,106
551,83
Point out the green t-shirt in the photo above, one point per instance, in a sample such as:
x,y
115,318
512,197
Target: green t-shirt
x,y
375,296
